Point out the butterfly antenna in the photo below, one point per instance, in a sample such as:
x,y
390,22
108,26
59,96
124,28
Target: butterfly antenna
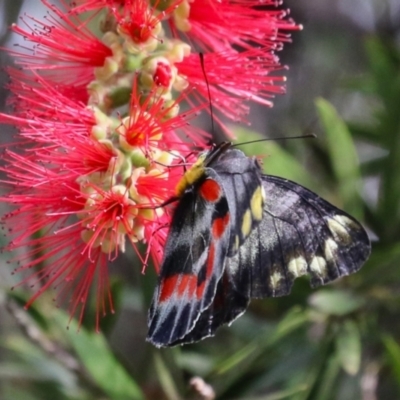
x,y
208,92
308,136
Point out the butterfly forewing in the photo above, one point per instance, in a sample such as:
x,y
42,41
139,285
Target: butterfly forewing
x,y
300,234
207,226
241,178
194,255
228,304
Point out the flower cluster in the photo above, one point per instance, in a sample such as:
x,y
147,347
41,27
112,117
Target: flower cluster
x,y
101,131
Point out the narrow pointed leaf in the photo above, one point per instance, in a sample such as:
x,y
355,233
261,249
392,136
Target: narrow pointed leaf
x,y
343,156
98,359
348,347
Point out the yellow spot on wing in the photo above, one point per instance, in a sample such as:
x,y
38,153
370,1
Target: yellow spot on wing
x,y
256,203
246,223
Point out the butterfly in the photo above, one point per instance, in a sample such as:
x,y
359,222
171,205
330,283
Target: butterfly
x,y
237,234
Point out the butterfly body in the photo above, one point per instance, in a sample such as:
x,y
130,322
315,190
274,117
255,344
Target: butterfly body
x,y
237,234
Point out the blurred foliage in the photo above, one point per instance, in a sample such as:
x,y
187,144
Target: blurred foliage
x,y
340,342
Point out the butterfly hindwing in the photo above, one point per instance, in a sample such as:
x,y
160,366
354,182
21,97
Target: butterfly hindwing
x,y
300,234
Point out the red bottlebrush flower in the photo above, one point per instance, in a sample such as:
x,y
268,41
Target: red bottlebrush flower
x,y
220,28
38,94
162,75
153,123
138,22
88,5
27,84
89,183
81,6
233,78
101,135
220,24
65,48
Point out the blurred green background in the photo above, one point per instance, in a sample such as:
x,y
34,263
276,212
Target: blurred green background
x,y
338,342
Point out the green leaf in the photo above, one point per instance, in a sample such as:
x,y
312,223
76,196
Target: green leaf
x,y
348,347
165,377
343,156
328,378
365,132
97,357
20,298
393,353
281,395
382,66
230,369
384,70
292,321
381,271
37,366
335,302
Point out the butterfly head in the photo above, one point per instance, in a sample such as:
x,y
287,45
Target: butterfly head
x,y
197,170
192,175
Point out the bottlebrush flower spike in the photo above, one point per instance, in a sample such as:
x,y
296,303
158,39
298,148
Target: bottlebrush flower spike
x,y
101,132
61,45
216,25
81,6
219,28
68,187
232,78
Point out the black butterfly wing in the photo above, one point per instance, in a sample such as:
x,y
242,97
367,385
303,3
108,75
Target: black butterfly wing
x,y
221,251
300,233
193,263
228,305
191,299
241,178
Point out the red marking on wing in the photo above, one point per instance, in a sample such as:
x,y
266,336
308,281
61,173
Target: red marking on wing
x,y
210,190
181,284
219,225
178,285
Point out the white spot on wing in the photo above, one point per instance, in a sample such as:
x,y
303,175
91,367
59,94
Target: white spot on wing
x,y
342,219
263,194
297,266
233,264
337,226
318,266
330,249
275,279
200,261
